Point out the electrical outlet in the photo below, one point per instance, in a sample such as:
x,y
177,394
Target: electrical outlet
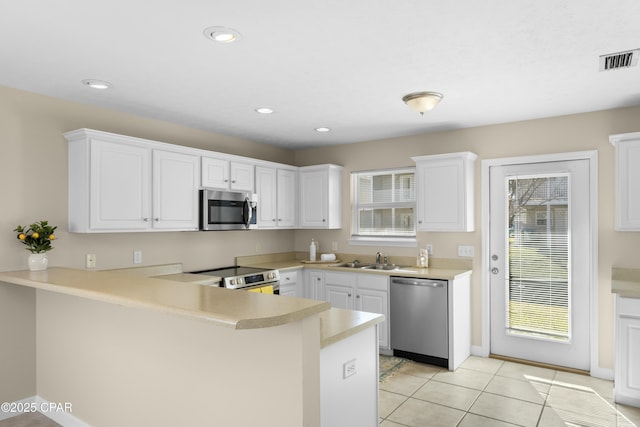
x,y
137,257
465,251
90,261
334,246
348,368
429,249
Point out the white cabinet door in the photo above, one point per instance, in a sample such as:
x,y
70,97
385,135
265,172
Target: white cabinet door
x,y
215,173
227,175
340,289
320,196
444,192
627,173
175,190
266,191
276,197
120,186
627,372
372,295
286,198
313,284
242,176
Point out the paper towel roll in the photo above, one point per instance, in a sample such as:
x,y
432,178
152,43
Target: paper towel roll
x,y
328,257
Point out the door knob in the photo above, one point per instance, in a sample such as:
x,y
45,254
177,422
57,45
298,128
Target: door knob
x,y
495,270
494,257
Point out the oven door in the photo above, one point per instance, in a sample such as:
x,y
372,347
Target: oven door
x,y
226,210
265,288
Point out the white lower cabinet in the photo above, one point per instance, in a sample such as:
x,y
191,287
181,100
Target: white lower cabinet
x,y
362,292
313,284
627,371
289,283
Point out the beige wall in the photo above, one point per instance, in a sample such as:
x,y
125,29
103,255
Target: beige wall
x,y
553,135
33,186
17,343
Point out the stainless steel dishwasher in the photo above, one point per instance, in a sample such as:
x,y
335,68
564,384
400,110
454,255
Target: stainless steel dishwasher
x,y
419,319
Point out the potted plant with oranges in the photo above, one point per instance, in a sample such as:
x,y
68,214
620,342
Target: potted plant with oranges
x,y
37,237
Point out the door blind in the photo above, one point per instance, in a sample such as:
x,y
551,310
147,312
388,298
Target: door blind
x,y
538,258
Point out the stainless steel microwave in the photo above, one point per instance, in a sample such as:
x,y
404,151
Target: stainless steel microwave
x,y
227,210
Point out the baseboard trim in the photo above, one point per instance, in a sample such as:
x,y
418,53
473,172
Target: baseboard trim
x,y
46,408
28,402
62,417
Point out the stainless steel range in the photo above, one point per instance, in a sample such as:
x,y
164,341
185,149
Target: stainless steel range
x,y
246,278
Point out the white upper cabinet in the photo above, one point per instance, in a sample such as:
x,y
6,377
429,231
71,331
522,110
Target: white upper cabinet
x,y
320,196
444,192
227,175
276,190
627,176
175,190
119,184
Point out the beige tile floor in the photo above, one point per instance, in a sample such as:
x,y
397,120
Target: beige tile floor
x,y
491,392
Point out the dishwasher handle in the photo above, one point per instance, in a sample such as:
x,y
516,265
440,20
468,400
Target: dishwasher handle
x,y
417,282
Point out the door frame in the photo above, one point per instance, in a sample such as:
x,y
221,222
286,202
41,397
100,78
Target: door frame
x,y
592,157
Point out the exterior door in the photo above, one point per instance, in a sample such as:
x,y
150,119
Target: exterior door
x,y
540,281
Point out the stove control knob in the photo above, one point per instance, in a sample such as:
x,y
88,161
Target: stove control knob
x,y
232,282
240,281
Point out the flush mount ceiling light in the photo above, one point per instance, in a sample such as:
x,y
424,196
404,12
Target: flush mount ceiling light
x,y
264,110
96,84
421,102
221,34
322,129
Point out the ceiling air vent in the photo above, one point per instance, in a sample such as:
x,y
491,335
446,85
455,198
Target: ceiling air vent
x,y
615,61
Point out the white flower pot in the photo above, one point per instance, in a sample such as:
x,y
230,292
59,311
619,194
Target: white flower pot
x,y
38,262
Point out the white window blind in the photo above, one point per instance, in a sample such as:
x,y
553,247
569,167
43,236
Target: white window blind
x,y
384,203
538,266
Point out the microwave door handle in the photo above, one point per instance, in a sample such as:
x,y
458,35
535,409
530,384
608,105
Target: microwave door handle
x,y
247,212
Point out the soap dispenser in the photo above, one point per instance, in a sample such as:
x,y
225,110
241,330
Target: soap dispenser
x,y
312,250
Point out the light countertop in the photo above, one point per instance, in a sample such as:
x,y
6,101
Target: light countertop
x,y
626,282
337,324
220,306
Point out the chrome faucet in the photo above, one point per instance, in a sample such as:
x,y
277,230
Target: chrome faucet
x,y
379,256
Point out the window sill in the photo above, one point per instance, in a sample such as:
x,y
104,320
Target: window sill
x,y
409,242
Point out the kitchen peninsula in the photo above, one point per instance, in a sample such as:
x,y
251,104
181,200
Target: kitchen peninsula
x,y
126,350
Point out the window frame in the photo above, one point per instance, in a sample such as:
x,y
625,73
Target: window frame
x,y
388,240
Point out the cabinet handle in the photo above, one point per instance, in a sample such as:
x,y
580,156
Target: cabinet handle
x,y
226,180
357,296
279,219
349,295
145,219
324,220
288,278
156,219
274,220
233,181
420,222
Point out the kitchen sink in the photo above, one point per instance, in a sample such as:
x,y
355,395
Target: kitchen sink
x,y
382,267
354,264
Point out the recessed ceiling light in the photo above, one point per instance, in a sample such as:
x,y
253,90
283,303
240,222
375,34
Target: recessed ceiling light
x,y
221,34
264,110
323,129
96,84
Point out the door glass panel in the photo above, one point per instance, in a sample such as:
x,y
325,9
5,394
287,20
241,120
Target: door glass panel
x,y
538,288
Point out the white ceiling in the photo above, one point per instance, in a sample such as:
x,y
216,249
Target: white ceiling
x,y
344,64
